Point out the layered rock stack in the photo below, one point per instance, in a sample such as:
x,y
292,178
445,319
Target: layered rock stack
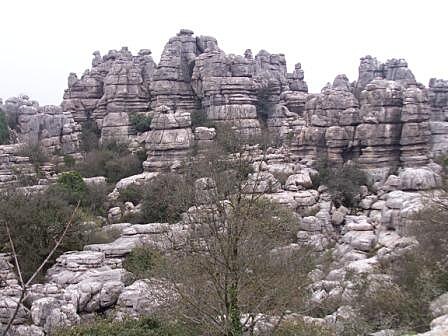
x,y
117,86
331,118
438,96
227,90
53,129
171,85
169,140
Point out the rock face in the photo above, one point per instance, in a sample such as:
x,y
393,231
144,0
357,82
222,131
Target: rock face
x,y
438,96
386,122
49,126
395,125
117,86
55,132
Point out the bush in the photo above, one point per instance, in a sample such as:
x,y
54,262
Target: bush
x,y
112,160
146,326
141,122
4,130
143,262
166,197
35,222
343,183
69,161
73,183
418,277
90,135
71,187
300,328
36,154
132,193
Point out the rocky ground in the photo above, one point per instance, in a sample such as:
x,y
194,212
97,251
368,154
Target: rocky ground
x,y
389,124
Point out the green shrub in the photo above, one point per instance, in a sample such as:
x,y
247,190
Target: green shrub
x,y
73,183
146,326
132,193
143,262
71,187
90,136
69,161
199,119
300,328
36,221
36,154
140,122
112,160
166,197
4,130
343,183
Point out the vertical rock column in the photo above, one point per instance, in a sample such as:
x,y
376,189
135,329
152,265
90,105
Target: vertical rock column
x,y
227,89
169,140
331,119
379,134
171,85
438,97
126,91
415,132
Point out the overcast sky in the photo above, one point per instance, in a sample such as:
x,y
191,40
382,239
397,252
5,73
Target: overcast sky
x,y
42,41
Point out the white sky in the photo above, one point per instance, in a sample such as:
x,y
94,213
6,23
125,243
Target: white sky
x,y
42,41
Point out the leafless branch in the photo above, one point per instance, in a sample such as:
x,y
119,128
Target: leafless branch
x,y
24,286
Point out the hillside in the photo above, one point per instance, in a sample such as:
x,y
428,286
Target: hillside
x,y
213,191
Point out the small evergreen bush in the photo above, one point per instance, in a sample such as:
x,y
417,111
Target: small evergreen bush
x,y
146,326
4,130
165,198
141,122
343,183
143,262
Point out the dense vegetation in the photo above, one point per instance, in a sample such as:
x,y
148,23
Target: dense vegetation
x,y
4,131
343,182
143,262
140,122
142,327
35,222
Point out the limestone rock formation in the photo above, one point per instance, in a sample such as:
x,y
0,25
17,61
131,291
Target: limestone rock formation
x,y
438,96
117,86
48,125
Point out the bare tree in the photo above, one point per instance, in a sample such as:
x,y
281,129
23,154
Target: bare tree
x,y
237,264
24,286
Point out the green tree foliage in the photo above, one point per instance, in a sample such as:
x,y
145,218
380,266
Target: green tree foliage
x,y
343,182
4,130
71,187
143,262
165,198
112,160
147,326
36,221
141,122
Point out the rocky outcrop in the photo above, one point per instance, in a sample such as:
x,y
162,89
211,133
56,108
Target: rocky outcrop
x,y
117,86
395,127
169,140
32,128
227,89
438,96
54,130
